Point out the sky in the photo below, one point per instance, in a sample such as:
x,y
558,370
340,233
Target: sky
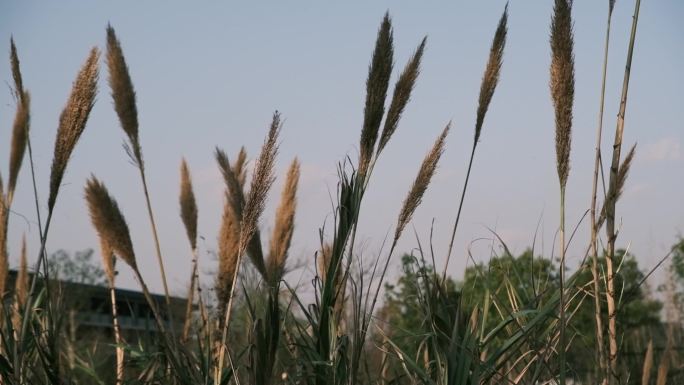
x,y
212,73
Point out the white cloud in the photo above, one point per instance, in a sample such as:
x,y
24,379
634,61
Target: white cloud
x,y
663,149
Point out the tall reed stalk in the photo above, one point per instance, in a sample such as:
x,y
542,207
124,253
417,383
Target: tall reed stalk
x,y
188,213
600,344
490,79
611,200
562,86
123,94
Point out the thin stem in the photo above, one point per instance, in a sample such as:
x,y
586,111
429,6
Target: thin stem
x,y
156,244
600,347
458,214
562,285
191,296
117,338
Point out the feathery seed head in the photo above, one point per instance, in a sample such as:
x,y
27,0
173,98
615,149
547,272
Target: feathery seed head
x,y
240,168
376,91
19,140
402,95
188,206
284,224
123,92
491,75
109,222
234,189
73,120
611,5
420,184
261,183
562,83
16,70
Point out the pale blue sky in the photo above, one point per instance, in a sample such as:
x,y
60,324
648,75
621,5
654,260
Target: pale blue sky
x,y
211,73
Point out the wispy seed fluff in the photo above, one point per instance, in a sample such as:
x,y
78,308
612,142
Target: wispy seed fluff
x,y
73,120
108,221
123,92
188,206
284,224
376,91
420,184
562,83
491,75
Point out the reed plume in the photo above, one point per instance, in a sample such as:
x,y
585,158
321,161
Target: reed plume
x,y
16,70
490,79
73,120
491,75
261,183
254,206
20,131
376,92
234,176
562,86
421,183
401,95
562,83
188,211
123,93
108,221
284,225
615,193
188,205
113,232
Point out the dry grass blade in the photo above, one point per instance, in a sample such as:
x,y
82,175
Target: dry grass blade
x,y
420,184
73,120
228,244
491,74
402,95
188,205
20,131
123,92
562,83
376,91
108,221
261,183
284,224
648,364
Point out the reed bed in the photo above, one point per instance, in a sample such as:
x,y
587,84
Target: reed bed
x,y
257,328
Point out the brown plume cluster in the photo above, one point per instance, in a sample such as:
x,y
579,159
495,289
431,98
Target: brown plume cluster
x,y
562,83
18,144
284,224
421,183
109,222
123,93
401,95
261,183
376,91
73,120
188,205
491,75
